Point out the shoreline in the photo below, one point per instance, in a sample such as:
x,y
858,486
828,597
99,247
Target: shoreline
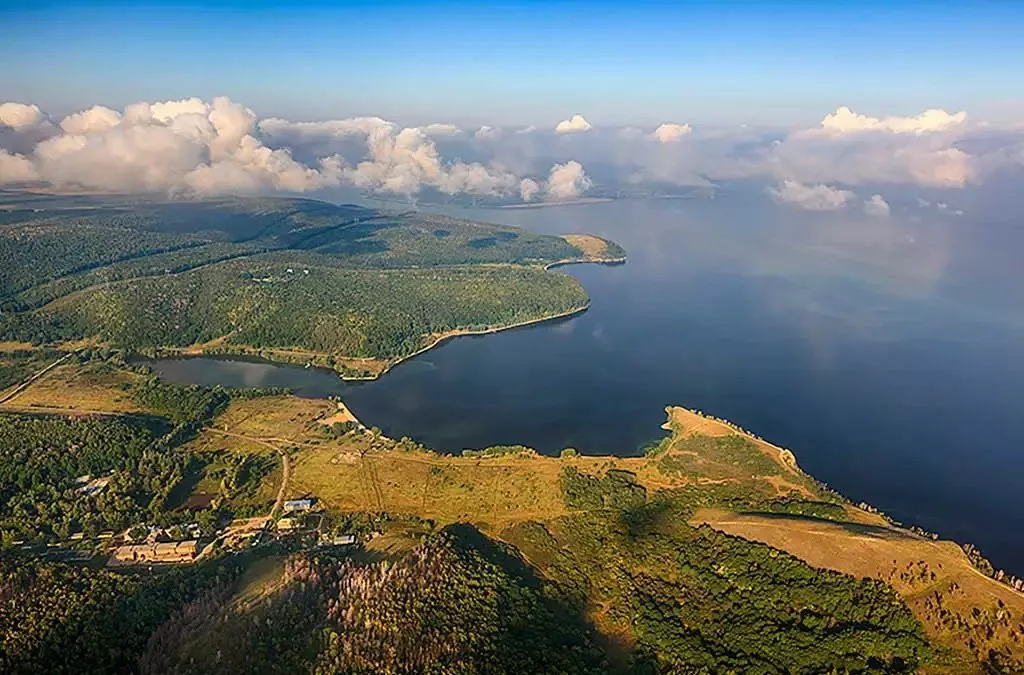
x,y
209,349
497,329
621,260
463,333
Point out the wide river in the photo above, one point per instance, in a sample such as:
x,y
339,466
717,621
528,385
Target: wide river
x,y
888,354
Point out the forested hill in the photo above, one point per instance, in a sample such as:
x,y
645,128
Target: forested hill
x,y
289,279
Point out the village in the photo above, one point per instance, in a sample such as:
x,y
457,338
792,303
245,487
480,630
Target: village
x,y
302,524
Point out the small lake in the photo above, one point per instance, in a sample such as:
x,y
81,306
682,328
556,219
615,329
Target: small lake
x,y
887,353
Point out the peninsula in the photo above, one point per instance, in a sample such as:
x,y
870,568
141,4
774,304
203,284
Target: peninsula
x,y
298,281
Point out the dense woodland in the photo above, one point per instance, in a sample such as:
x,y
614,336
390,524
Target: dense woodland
x,y
41,456
319,309
266,273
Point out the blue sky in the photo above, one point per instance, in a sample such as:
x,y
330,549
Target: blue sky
x,y
521,62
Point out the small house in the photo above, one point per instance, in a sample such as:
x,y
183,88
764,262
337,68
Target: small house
x,y
297,505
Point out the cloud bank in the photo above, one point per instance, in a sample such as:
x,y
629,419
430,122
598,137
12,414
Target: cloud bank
x,y
192,146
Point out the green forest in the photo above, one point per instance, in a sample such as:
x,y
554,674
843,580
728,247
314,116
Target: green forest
x,y
267,273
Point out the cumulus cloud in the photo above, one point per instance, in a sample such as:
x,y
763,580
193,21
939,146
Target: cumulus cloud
x,y
220,146
20,116
811,197
574,125
89,121
193,145
671,132
528,189
567,181
168,146
844,120
876,206
16,169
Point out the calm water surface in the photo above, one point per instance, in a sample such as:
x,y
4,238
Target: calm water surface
x,y
887,353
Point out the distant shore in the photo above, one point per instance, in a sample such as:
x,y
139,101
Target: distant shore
x,y
496,329
570,202
214,347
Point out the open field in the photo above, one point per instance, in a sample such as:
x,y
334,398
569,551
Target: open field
x,y
74,388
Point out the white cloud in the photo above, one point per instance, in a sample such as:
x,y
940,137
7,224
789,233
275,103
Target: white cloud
x,y
487,133
573,125
671,132
275,126
438,130
811,197
169,146
96,118
876,206
528,189
20,116
567,181
844,120
193,145
16,169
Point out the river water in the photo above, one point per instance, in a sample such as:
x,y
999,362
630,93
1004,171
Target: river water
x,y
887,353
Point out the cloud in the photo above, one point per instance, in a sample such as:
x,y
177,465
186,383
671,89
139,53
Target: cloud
x,y
671,132
197,146
16,169
441,130
844,121
487,133
567,181
220,146
528,189
170,146
93,120
20,116
811,197
573,125
876,206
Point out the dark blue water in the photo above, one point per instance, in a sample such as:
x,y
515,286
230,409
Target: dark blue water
x,y
887,353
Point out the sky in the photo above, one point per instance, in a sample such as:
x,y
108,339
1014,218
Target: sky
x,y
525,62
870,108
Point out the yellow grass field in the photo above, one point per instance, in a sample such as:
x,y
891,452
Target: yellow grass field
x,y
74,389
592,247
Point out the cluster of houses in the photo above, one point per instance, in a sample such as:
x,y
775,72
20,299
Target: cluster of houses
x,y
157,548
293,520
167,552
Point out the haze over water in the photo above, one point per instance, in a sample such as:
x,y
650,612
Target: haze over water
x,y
888,354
